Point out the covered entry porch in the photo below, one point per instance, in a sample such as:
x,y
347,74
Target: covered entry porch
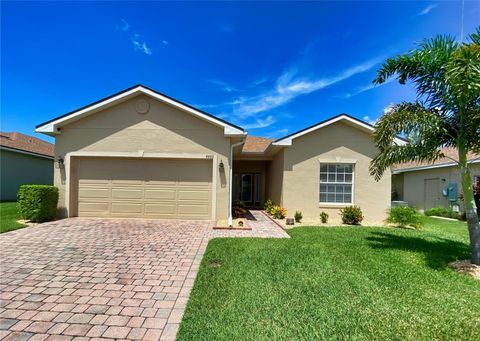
x,y
249,182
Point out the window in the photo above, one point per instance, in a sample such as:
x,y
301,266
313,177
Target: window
x,y
336,183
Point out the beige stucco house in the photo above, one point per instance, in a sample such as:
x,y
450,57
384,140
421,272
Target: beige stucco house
x,y
140,153
438,184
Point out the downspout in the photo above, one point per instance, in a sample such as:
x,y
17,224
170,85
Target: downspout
x,y
230,179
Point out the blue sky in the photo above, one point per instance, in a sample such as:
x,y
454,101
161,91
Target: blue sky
x,y
272,68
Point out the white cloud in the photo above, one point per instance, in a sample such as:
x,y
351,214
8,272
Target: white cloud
x,y
224,86
141,45
289,86
125,26
427,9
388,108
367,119
278,133
366,88
165,42
260,123
258,82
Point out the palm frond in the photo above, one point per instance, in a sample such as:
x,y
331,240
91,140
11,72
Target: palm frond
x,y
425,130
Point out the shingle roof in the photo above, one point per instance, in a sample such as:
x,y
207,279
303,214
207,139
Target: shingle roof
x,y
256,144
451,155
26,143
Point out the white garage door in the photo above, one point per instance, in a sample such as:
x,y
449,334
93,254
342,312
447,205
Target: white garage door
x,y
146,188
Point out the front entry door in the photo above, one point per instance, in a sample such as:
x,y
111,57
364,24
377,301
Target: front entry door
x,y
250,189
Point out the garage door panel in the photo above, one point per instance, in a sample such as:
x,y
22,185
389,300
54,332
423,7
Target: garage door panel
x,y
126,182
157,188
184,194
161,208
185,209
127,193
126,208
160,194
93,192
93,209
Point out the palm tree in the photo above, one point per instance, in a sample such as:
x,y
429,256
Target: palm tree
x,y
446,113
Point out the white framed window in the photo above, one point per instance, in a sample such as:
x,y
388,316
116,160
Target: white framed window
x,y
336,183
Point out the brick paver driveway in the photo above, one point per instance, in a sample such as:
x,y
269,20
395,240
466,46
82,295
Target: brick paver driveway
x,y
98,278
79,279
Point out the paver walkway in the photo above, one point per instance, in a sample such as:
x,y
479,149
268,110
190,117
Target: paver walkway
x,y
99,279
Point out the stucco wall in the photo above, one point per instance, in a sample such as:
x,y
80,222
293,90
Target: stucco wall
x,y
414,183
163,129
275,172
21,169
341,142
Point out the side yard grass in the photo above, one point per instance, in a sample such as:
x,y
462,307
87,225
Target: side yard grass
x,y
334,284
9,216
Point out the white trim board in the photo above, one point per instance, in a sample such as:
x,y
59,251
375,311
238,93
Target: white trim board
x,y
52,128
287,141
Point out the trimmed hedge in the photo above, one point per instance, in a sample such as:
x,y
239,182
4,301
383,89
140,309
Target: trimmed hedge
x,y
37,203
442,212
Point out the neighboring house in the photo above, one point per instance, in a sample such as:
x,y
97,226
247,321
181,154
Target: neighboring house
x,y
140,153
427,185
23,160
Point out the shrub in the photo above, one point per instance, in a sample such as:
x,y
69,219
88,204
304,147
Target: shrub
x,y
442,212
37,203
298,216
268,206
239,209
279,212
351,215
324,217
404,216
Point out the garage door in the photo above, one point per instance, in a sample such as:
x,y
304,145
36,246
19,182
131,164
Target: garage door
x,y
146,188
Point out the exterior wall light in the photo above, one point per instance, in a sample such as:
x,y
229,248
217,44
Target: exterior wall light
x,y
221,165
60,162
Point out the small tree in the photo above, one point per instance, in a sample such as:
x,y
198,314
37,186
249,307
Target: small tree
x,y
446,75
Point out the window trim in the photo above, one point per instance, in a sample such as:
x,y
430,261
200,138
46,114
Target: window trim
x,y
338,161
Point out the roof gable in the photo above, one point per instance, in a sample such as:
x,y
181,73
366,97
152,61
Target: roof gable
x,y
287,140
51,127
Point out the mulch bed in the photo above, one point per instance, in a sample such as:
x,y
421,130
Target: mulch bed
x,y
466,267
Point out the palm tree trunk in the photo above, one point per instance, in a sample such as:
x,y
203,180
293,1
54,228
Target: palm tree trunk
x,y
470,207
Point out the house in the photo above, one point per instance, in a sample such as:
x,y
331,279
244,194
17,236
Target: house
x,y
24,160
140,153
425,185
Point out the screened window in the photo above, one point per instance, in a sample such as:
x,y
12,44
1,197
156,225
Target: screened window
x,y
336,180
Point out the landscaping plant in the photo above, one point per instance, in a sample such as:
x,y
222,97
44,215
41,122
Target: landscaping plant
x,y
442,212
268,206
446,113
279,212
324,217
239,209
351,215
37,203
298,216
404,216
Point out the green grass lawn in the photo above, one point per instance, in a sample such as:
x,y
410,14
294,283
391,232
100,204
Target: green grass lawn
x,y
9,216
355,283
